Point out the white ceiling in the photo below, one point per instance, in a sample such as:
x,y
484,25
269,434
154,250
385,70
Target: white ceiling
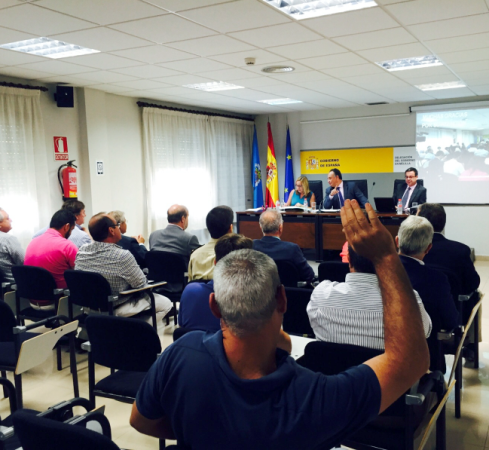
x,y
150,48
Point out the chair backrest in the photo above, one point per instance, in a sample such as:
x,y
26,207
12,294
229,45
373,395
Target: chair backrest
x,y
316,186
179,332
88,289
34,283
362,185
333,271
453,279
7,322
166,266
296,320
399,182
330,358
38,433
288,273
121,343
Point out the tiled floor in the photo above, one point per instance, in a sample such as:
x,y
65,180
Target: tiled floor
x,y
45,386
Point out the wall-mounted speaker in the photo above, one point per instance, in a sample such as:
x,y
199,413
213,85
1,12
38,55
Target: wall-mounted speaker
x,y
64,96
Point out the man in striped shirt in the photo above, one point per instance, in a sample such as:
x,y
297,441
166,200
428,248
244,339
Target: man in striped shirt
x,y
352,312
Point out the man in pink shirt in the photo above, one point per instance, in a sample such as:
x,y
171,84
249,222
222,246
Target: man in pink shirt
x,y
53,251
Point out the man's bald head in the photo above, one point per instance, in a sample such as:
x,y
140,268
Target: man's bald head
x,y
271,222
100,227
176,213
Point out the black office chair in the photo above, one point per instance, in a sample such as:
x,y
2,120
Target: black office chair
x,y
40,433
34,283
35,347
296,320
179,332
398,426
288,273
92,290
7,440
362,185
169,267
316,186
333,271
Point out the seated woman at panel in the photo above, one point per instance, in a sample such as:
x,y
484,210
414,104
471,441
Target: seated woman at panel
x,y
301,193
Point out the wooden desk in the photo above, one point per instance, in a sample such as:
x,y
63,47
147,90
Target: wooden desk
x,y
318,231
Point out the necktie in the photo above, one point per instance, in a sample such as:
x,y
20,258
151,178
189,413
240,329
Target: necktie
x,y
342,202
405,198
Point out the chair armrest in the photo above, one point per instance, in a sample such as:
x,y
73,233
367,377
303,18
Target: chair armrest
x,y
58,291
87,346
56,411
66,292
6,433
420,390
144,288
7,285
48,320
467,297
113,298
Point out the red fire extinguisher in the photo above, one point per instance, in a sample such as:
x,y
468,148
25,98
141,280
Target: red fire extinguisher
x,y
67,180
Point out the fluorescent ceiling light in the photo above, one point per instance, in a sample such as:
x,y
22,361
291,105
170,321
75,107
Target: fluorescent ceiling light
x,y
417,62
280,101
213,86
439,86
305,9
278,69
49,48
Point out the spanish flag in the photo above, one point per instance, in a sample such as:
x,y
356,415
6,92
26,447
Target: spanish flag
x,y
272,174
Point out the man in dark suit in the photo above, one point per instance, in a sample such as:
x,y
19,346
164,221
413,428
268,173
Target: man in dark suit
x,y
174,238
340,190
414,242
271,224
134,244
410,192
453,255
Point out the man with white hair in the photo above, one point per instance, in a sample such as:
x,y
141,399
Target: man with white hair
x,y
239,389
414,242
272,226
11,253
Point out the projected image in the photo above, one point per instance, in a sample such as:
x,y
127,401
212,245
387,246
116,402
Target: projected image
x,y
453,148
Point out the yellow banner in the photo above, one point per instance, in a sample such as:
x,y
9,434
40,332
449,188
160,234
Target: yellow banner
x,y
357,160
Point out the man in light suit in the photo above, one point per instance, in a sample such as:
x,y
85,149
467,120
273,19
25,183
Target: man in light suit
x,y
271,224
174,238
340,190
410,191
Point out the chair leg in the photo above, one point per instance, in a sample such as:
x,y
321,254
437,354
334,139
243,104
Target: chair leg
x,y
18,390
5,393
91,380
476,339
162,444
58,357
73,368
458,387
176,313
441,431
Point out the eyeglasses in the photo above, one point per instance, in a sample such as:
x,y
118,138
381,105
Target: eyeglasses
x,y
118,224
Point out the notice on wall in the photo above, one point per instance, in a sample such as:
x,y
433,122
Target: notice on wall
x,y
60,148
100,167
358,160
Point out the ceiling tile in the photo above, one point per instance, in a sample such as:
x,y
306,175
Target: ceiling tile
x,y
451,27
147,71
142,84
330,61
426,78
104,12
154,54
308,49
236,16
180,80
408,93
302,77
103,61
68,79
7,3
260,82
352,71
102,39
238,58
375,39
196,65
110,88
459,43
465,56
33,19
354,22
476,78
270,36
18,71
162,29
57,67
481,90
395,52
229,74
424,72
247,94
257,68
421,11
212,45
452,93
389,2
7,36
103,76
11,58
461,68
177,90
377,81
182,5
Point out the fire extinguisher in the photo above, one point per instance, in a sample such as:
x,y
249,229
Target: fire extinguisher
x,y
67,180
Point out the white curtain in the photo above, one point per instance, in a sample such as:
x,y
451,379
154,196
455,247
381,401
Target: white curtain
x,y
197,161
23,164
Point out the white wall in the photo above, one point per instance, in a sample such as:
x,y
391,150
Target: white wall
x,y
464,223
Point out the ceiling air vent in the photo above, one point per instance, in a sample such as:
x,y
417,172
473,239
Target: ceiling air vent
x,y
377,103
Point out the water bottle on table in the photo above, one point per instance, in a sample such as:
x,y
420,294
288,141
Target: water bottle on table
x,y
399,206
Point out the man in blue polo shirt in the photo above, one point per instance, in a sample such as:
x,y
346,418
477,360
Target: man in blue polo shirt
x,y
238,389
194,312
